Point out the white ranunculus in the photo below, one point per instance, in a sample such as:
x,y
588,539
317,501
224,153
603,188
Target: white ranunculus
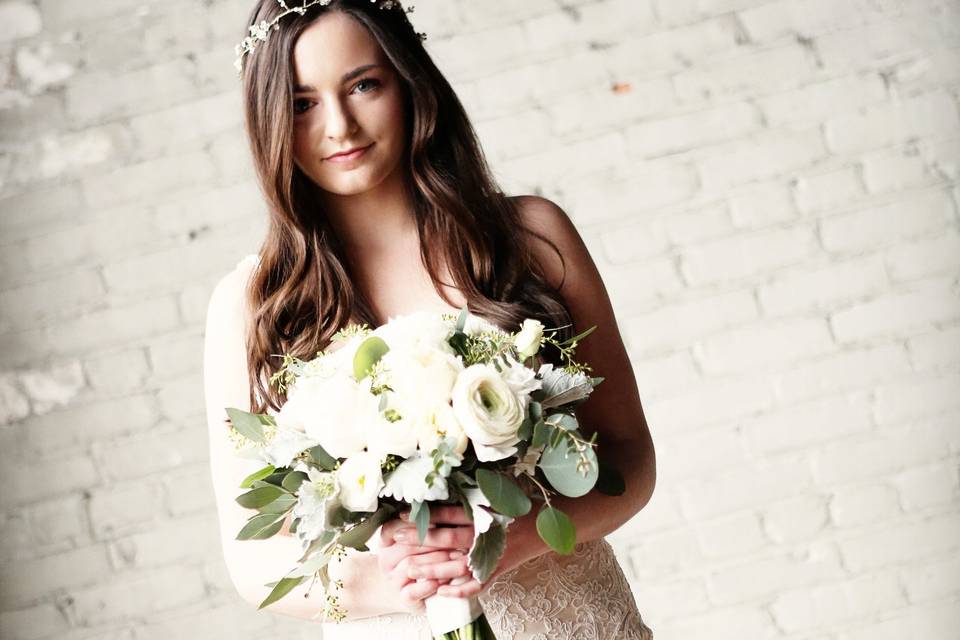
x,y
408,481
338,412
360,481
421,377
488,410
317,497
527,341
436,423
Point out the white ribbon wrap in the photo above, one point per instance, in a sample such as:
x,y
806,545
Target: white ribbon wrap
x,y
445,613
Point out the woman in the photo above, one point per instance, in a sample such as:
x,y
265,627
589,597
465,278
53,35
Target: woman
x,y
412,221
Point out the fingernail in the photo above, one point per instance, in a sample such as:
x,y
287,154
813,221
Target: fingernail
x,y
456,554
401,536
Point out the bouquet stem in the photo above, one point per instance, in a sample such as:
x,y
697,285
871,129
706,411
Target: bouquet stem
x,y
457,618
479,629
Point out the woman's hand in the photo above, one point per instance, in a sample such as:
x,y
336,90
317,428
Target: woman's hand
x,y
416,571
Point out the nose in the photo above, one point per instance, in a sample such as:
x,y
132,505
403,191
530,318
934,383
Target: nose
x,y
340,122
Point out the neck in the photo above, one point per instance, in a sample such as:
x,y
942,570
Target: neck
x,y
375,219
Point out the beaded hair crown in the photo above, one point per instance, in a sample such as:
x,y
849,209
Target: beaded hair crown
x,y
261,31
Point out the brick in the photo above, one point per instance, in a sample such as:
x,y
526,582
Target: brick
x,y
150,179
822,288
690,131
935,349
682,322
565,163
731,536
183,126
794,520
59,296
171,542
115,326
901,543
14,403
602,108
924,304
762,577
930,114
854,506
73,473
936,255
933,620
175,354
698,453
669,552
231,158
676,599
24,582
894,169
52,387
661,375
933,579
90,422
828,191
749,620
712,402
927,486
644,238
880,43
764,156
916,397
22,20
120,372
217,621
744,488
150,453
514,134
813,103
909,216
763,346
809,424
673,48
762,205
885,451
190,490
747,254
599,198
222,208
765,70
130,597
33,623
124,509
829,606
59,523
942,156
692,226
31,213
636,288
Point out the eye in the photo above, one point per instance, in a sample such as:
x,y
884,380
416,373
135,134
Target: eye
x,y
371,81
297,102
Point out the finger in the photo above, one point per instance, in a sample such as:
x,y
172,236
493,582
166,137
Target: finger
x,y
439,570
430,557
449,514
460,537
419,590
465,590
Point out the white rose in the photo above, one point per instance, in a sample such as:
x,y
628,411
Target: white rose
x,y
475,324
408,481
398,437
528,339
338,412
416,330
360,481
421,377
488,410
439,422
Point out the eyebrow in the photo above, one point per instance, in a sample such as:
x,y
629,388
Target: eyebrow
x,y
350,75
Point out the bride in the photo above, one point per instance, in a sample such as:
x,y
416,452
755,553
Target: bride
x,y
381,203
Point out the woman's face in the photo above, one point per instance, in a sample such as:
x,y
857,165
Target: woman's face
x,y
341,102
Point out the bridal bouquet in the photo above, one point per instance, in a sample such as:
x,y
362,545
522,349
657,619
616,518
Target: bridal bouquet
x,y
427,409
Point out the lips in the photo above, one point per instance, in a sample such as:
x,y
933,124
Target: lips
x,y
348,152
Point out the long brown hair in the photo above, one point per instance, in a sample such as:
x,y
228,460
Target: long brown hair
x,y
302,292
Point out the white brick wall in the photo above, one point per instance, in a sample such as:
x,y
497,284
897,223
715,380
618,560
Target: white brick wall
x,y
770,189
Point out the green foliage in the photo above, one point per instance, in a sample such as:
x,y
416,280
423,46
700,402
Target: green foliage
x,y
570,466
321,458
503,493
368,354
257,475
259,497
282,588
249,425
557,530
357,536
486,551
420,515
261,526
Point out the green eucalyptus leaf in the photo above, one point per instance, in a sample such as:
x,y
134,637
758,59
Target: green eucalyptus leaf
x,y
257,475
283,587
541,434
462,318
579,337
293,480
557,530
525,430
420,515
503,493
282,504
259,497
311,566
261,526
357,537
321,541
323,459
247,424
560,466
368,354
563,421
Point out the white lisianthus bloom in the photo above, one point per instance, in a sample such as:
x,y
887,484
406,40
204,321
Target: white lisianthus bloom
x,y
527,341
488,410
416,330
522,380
360,481
408,482
338,413
439,422
317,497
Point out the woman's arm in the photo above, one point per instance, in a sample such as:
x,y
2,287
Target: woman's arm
x,y
613,409
253,563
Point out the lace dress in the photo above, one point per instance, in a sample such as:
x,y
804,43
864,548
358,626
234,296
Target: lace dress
x,y
582,596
